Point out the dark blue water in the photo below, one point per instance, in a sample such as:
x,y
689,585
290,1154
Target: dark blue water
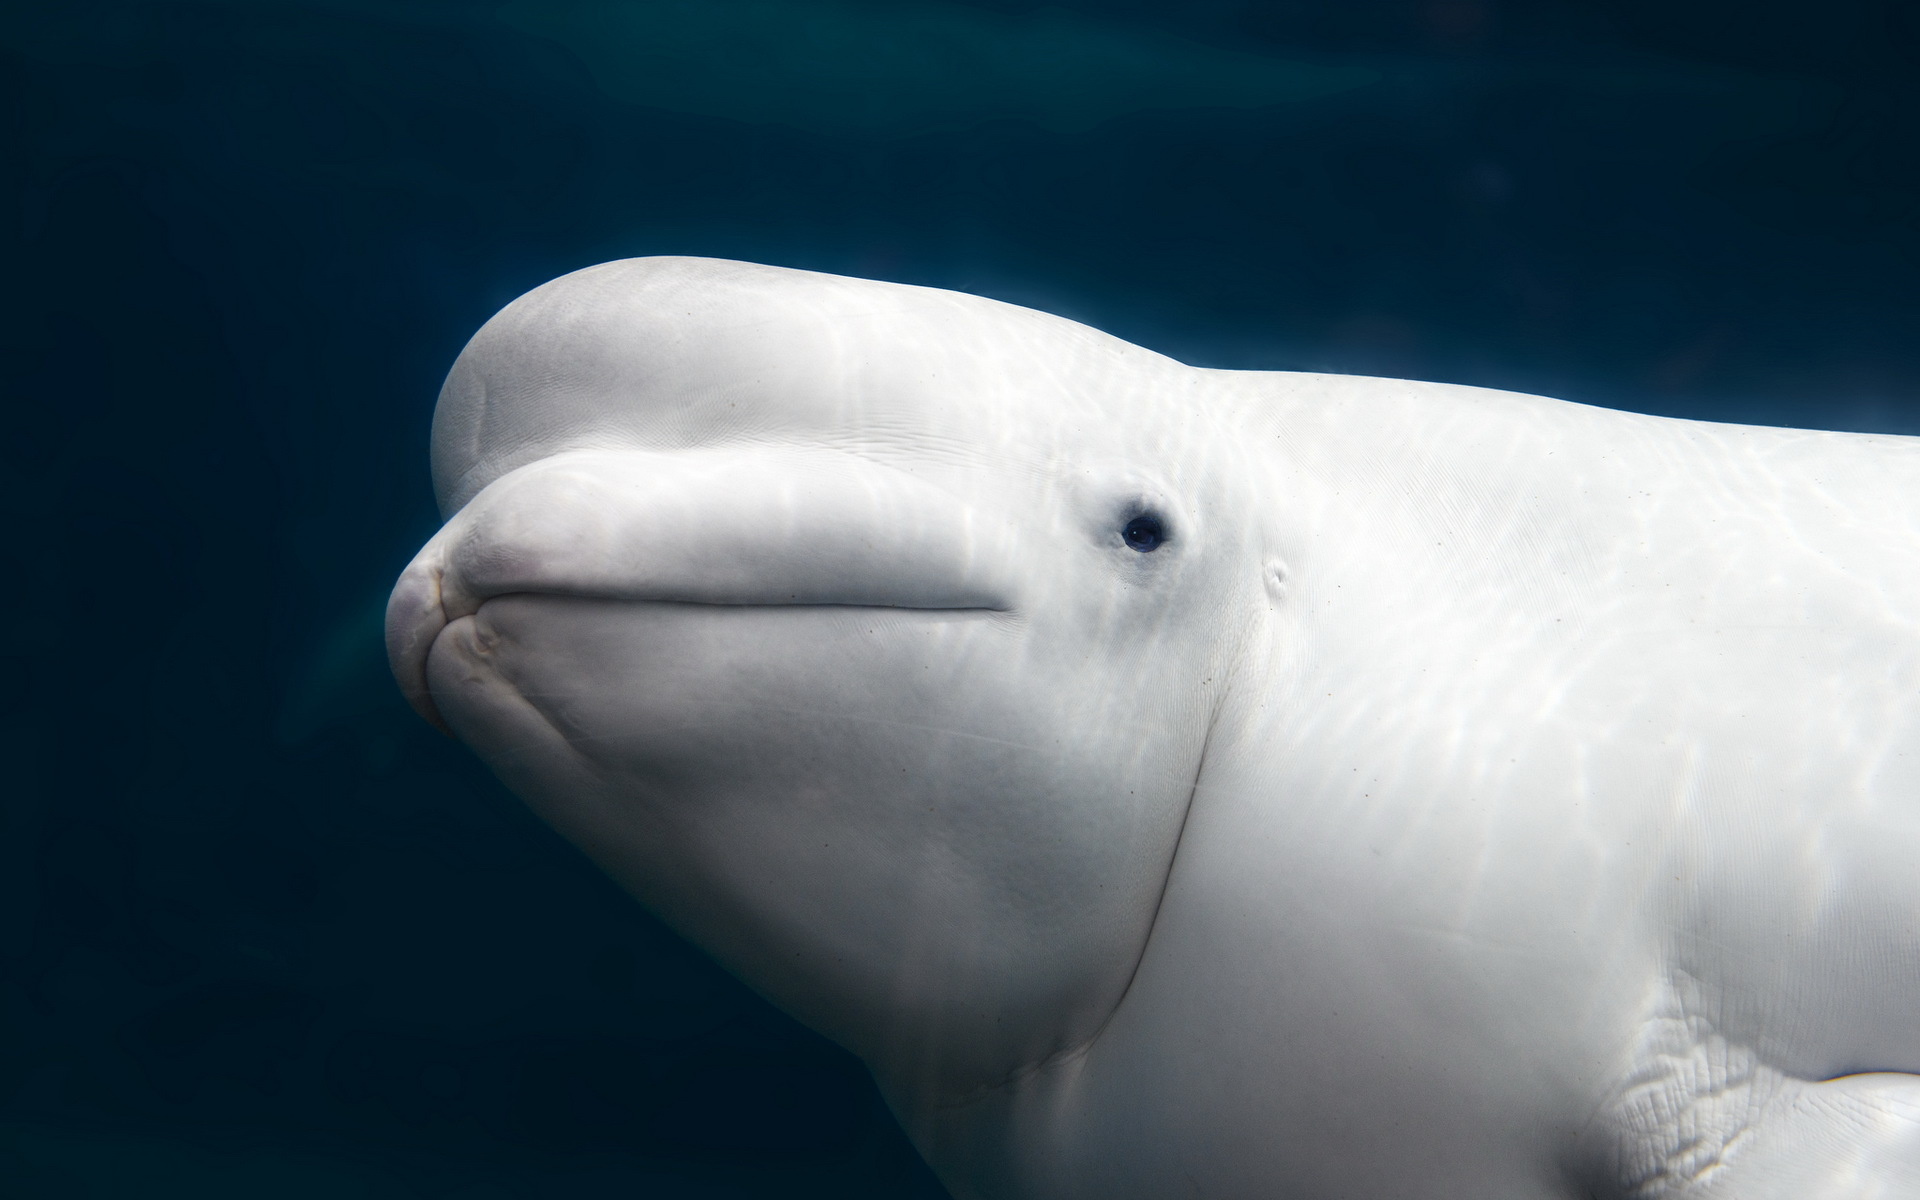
x,y
263,932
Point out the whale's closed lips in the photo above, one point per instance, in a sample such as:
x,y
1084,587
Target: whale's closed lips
x,y
720,528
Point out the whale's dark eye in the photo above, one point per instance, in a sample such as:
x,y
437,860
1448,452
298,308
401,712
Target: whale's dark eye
x,y
1144,533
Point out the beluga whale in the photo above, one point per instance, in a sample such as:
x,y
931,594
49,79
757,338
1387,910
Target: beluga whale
x,y
1176,782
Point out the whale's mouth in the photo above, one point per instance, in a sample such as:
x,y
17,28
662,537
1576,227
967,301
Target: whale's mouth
x,y
733,529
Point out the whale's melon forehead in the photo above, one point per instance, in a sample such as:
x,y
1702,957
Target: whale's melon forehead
x,y
668,353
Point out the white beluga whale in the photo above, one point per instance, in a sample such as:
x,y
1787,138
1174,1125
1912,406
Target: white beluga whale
x,y
1178,782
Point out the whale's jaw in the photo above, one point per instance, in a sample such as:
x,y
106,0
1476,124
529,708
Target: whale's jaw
x,y
843,729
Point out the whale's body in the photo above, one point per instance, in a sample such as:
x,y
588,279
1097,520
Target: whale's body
x,y
1176,782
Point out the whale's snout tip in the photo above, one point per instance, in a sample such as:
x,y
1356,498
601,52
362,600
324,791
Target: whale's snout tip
x,y
415,618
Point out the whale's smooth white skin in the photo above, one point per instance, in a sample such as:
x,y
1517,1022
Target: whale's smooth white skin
x,y
1473,795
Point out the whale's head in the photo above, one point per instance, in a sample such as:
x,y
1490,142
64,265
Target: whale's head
x,y
872,635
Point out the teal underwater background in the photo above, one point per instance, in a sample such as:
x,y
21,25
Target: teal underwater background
x,y
262,932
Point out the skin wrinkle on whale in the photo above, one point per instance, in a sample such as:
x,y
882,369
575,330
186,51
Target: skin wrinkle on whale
x,y
1324,786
